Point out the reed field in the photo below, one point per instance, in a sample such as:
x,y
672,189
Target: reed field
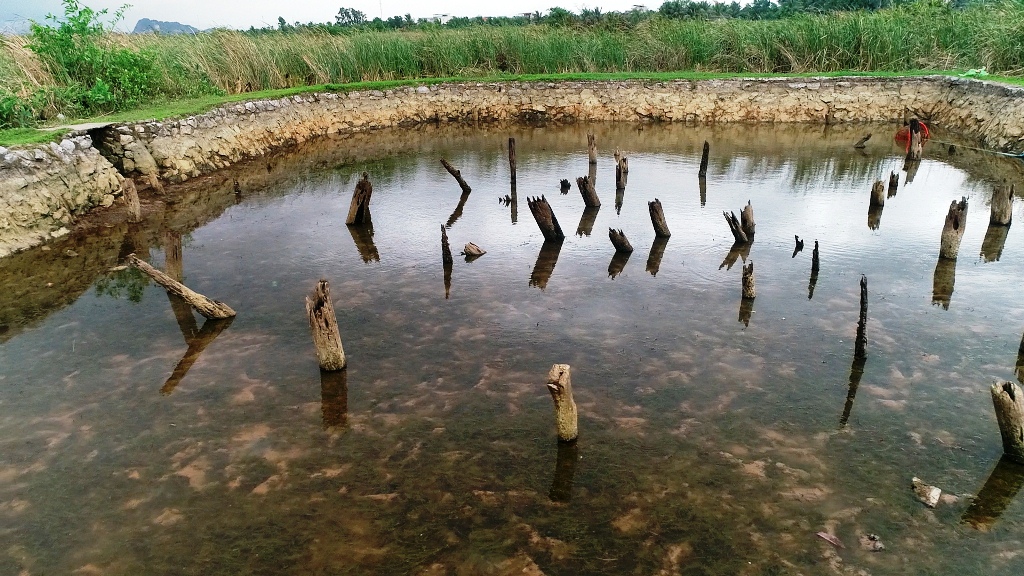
x,y
918,36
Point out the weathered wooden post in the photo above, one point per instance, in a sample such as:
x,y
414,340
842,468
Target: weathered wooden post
x,y
953,229
471,251
747,220
916,141
592,148
512,158
560,386
943,281
458,176
590,199
735,227
878,193
894,184
447,262
703,171
657,253
565,471
587,221
748,284
619,240
334,398
545,218
814,272
999,491
1008,400
207,307
324,325
131,200
359,208
658,219
1002,205
545,265
621,170
861,344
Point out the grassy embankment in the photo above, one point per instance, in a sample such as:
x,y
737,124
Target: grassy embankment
x,y
195,73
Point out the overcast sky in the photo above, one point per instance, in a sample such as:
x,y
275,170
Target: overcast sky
x,y
244,13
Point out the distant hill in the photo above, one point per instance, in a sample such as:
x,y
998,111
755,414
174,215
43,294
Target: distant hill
x,y
146,25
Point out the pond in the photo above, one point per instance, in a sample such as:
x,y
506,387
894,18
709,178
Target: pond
x,y
715,437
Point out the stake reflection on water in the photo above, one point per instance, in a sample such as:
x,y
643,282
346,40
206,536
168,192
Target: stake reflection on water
x,y
334,397
362,236
618,263
587,221
942,282
565,471
995,496
546,259
657,253
196,345
992,245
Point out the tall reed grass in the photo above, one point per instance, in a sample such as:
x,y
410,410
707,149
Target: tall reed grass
x,y
924,35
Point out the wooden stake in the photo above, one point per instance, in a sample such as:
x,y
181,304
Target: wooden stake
x,y
619,240
324,325
131,200
621,171
878,194
205,306
560,386
862,142
894,183
953,230
359,208
658,219
586,186
1002,205
592,148
749,286
735,227
512,158
861,344
545,218
747,219
916,141
457,174
564,185
1008,400
703,171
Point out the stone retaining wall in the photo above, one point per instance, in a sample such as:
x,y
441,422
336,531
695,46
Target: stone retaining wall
x,y
177,150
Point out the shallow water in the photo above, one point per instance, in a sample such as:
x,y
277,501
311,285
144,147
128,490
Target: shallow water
x,y
134,438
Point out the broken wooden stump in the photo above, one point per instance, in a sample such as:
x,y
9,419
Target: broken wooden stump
x,y
999,491
861,343
814,272
545,265
992,244
619,240
324,325
943,281
207,307
587,221
916,141
592,148
736,228
560,386
1018,368
472,252
878,193
894,184
953,229
658,219
565,471
862,142
458,176
747,220
334,398
1002,205
657,253
618,264
1008,400
564,186
749,286
586,186
703,170
621,171
512,158
359,208
545,218
798,247
131,200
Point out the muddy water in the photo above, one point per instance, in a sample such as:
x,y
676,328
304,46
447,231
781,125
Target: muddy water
x,y
136,439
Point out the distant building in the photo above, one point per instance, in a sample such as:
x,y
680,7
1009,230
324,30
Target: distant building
x,y
145,25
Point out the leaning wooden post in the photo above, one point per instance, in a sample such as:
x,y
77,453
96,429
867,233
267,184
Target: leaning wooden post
x,y
1002,205
1008,400
512,158
457,174
749,287
131,200
861,344
735,227
592,148
703,172
205,306
894,183
953,229
560,386
658,219
586,186
545,218
747,220
878,194
324,325
359,208
620,241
